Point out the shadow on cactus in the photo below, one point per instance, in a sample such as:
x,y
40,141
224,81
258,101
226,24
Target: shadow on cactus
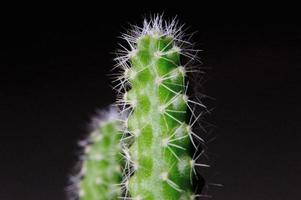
x,y
155,145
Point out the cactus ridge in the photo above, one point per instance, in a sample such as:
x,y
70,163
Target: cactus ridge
x,y
101,163
152,87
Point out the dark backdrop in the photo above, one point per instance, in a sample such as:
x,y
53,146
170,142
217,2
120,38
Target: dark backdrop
x,y
53,77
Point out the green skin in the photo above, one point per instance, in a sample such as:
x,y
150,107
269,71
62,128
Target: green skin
x,y
103,164
159,154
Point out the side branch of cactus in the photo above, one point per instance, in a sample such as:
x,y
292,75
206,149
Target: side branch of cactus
x,y
101,163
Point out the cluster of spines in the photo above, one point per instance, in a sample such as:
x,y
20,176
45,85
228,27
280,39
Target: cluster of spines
x,y
153,88
101,163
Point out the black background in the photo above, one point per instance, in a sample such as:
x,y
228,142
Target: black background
x,y
53,76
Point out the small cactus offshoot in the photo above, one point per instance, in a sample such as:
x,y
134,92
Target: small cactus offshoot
x,y
101,163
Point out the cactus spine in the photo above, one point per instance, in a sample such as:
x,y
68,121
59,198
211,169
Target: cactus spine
x,y
159,160
101,174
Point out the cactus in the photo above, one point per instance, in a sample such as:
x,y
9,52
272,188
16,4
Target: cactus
x,y
147,157
101,167
153,68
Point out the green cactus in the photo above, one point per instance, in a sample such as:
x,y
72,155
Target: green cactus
x,y
101,168
160,164
146,156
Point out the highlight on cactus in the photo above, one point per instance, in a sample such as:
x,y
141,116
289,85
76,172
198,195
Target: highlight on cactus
x,y
100,167
153,86
153,151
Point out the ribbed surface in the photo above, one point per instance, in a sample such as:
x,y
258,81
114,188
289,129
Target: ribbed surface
x,y
159,154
